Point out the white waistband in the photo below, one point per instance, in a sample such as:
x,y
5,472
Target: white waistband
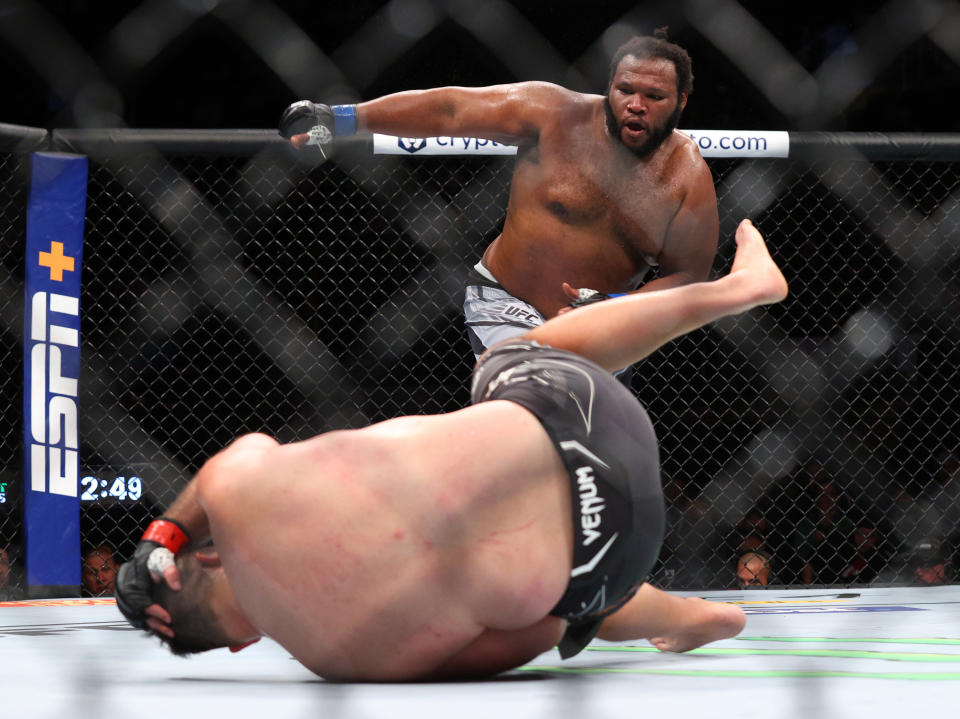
x,y
482,269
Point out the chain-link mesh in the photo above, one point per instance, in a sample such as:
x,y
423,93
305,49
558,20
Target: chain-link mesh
x,y
218,300
13,200
223,295
825,436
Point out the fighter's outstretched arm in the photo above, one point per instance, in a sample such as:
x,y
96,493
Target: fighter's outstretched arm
x,y
618,332
512,114
507,113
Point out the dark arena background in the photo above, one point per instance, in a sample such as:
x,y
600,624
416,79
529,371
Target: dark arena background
x,y
230,284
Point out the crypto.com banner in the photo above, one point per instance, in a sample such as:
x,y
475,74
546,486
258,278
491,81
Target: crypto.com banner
x,y
712,143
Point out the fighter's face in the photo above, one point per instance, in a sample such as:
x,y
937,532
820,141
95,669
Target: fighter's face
x,y
99,574
752,574
643,104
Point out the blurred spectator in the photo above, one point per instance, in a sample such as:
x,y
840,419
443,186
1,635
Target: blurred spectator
x,y
869,552
929,563
753,532
753,570
753,535
924,563
688,557
4,568
822,528
99,571
8,589
934,510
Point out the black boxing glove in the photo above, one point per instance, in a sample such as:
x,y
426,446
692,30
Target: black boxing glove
x,y
321,122
588,297
155,552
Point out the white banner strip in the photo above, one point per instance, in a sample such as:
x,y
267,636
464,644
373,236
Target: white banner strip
x,y
390,145
741,143
712,143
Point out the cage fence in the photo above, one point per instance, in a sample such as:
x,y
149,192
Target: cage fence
x,y
234,288
819,431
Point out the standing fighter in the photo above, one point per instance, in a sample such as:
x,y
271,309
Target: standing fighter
x,y
603,190
460,544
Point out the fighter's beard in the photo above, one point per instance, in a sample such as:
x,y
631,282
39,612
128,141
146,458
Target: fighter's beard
x,y
655,135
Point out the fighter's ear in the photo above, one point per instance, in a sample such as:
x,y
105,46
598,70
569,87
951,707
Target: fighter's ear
x,y
239,647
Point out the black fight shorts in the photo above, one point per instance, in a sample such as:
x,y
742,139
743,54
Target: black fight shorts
x,y
608,445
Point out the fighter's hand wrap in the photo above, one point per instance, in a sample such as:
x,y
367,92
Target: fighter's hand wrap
x,y
155,552
321,122
588,297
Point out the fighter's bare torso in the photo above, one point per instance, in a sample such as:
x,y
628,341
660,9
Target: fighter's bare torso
x,y
421,552
584,209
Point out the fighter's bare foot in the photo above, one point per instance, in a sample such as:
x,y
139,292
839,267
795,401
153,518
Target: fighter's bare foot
x,y
753,258
714,621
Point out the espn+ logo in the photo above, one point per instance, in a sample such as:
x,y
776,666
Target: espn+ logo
x,y
53,433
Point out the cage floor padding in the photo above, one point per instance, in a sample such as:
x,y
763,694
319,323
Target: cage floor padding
x,y
804,653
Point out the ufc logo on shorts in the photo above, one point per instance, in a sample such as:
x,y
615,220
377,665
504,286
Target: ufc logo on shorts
x,y
54,447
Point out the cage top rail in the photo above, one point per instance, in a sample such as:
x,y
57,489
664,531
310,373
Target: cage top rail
x,y
930,147
17,138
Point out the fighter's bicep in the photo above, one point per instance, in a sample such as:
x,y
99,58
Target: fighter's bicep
x,y
693,234
509,113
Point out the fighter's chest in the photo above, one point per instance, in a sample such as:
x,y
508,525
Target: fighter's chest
x,y
588,189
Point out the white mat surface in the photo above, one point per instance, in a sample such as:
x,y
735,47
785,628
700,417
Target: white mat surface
x,y
812,653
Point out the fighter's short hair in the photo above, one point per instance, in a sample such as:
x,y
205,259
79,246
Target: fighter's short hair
x,y
195,625
656,46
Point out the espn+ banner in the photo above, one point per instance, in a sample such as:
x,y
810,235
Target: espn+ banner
x,y
51,349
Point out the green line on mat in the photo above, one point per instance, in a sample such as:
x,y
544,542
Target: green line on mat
x,y
852,640
784,674
841,653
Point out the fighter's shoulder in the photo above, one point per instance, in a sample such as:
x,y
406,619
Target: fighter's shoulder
x,y
239,461
684,147
243,453
683,156
555,98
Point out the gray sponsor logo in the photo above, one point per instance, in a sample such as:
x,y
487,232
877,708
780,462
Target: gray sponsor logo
x,y
411,144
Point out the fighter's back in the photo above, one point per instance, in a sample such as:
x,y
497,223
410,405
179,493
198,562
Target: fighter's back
x,y
382,553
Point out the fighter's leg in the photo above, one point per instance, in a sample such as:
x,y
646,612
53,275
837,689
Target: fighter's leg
x,y
672,623
621,331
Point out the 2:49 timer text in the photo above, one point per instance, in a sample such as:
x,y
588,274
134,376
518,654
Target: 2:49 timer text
x,y
119,488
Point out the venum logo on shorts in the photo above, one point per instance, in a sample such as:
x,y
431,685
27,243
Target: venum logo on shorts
x,y
591,505
411,144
